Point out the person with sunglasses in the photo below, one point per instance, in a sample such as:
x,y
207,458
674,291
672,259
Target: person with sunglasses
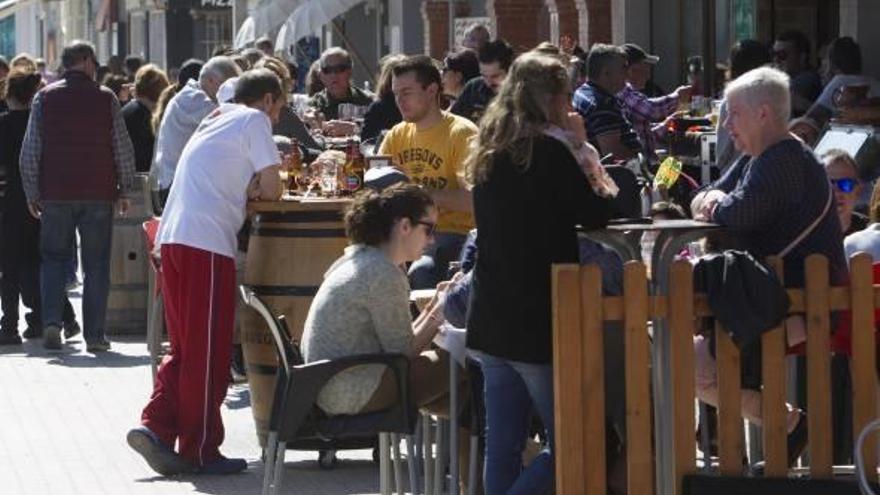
x,y
362,307
868,239
844,176
335,74
791,54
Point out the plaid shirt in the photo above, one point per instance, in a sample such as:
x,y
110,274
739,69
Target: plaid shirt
x,y
643,112
32,150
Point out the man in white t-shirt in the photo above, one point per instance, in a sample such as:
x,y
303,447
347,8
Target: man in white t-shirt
x,y
229,159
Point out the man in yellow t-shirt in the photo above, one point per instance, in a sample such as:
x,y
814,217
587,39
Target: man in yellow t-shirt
x,y
430,146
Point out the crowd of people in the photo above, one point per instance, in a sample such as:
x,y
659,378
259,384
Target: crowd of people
x,y
499,161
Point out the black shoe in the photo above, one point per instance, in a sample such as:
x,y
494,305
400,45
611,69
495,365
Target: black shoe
x,y
797,442
33,333
159,456
52,339
71,330
97,346
797,439
223,465
10,337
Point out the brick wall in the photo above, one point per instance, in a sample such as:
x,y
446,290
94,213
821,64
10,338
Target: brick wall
x,y
435,17
515,21
599,19
568,18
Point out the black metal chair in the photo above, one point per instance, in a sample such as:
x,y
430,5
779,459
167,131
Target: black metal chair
x,y
297,423
628,203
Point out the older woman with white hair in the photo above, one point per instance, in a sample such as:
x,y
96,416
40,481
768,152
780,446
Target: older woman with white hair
x,y
777,197
777,201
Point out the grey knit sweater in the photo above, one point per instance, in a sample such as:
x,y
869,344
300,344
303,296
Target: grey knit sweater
x,y
362,307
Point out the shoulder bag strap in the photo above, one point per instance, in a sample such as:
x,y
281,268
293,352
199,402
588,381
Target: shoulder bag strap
x,y
797,240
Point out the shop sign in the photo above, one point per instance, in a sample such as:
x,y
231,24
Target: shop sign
x,y
213,4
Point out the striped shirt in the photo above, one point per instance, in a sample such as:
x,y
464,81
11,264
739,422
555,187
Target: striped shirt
x,y
603,115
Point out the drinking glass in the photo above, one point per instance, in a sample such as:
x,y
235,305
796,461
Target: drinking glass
x,y
329,178
347,111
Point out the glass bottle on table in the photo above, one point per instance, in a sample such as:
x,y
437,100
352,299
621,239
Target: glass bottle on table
x,y
295,169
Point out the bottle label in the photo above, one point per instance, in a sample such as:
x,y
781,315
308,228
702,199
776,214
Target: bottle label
x,y
352,182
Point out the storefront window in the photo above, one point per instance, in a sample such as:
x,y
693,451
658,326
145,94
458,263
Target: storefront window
x,y
217,31
7,36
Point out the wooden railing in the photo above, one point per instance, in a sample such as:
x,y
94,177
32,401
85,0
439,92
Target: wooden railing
x,y
580,314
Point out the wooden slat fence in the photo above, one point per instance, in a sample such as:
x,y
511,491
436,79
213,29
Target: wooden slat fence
x,y
580,312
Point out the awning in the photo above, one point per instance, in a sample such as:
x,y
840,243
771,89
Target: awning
x,y
7,6
263,19
310,16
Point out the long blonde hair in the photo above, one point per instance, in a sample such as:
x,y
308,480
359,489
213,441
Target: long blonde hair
x,y
520,111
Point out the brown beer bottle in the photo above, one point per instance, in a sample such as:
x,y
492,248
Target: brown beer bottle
x,y
295,166
353,171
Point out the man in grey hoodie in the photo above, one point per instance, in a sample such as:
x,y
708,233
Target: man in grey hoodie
x,y
184,113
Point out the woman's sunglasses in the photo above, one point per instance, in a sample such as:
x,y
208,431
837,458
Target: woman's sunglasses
x,y
335,69
430,228
846,184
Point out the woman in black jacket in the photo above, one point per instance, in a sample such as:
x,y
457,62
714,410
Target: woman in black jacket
x,y
535,180
19,230
383,113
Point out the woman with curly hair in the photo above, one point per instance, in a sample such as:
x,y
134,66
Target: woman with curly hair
x,y
362,306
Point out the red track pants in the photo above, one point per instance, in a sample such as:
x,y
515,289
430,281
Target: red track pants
x,y
198,288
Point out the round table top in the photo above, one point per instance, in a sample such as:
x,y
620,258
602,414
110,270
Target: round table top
x,y
683,224
298,203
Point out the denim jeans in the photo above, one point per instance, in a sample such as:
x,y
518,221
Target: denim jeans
x,y
512,389
60,221
433,267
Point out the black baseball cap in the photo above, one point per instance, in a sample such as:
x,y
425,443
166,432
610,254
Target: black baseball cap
x,y
635,54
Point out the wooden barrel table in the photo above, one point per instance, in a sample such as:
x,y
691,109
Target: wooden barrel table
x,y
292,244
128,298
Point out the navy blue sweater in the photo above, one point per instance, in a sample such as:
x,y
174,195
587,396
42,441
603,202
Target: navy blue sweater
x,y
772,198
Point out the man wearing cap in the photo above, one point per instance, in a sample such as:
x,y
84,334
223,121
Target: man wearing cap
x,y
335,64
644,112
607,127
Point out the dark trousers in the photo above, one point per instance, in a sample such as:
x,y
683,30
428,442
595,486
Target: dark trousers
x,y
20,264
60,222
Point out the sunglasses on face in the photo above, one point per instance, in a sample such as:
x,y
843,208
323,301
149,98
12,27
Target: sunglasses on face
x,y
334,69
780,55
430,228
846,184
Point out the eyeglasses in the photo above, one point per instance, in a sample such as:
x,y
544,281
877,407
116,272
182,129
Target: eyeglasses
x,y
430,228
335,69
780,55
846,185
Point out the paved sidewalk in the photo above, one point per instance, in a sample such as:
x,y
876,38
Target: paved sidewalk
x,y
64,415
